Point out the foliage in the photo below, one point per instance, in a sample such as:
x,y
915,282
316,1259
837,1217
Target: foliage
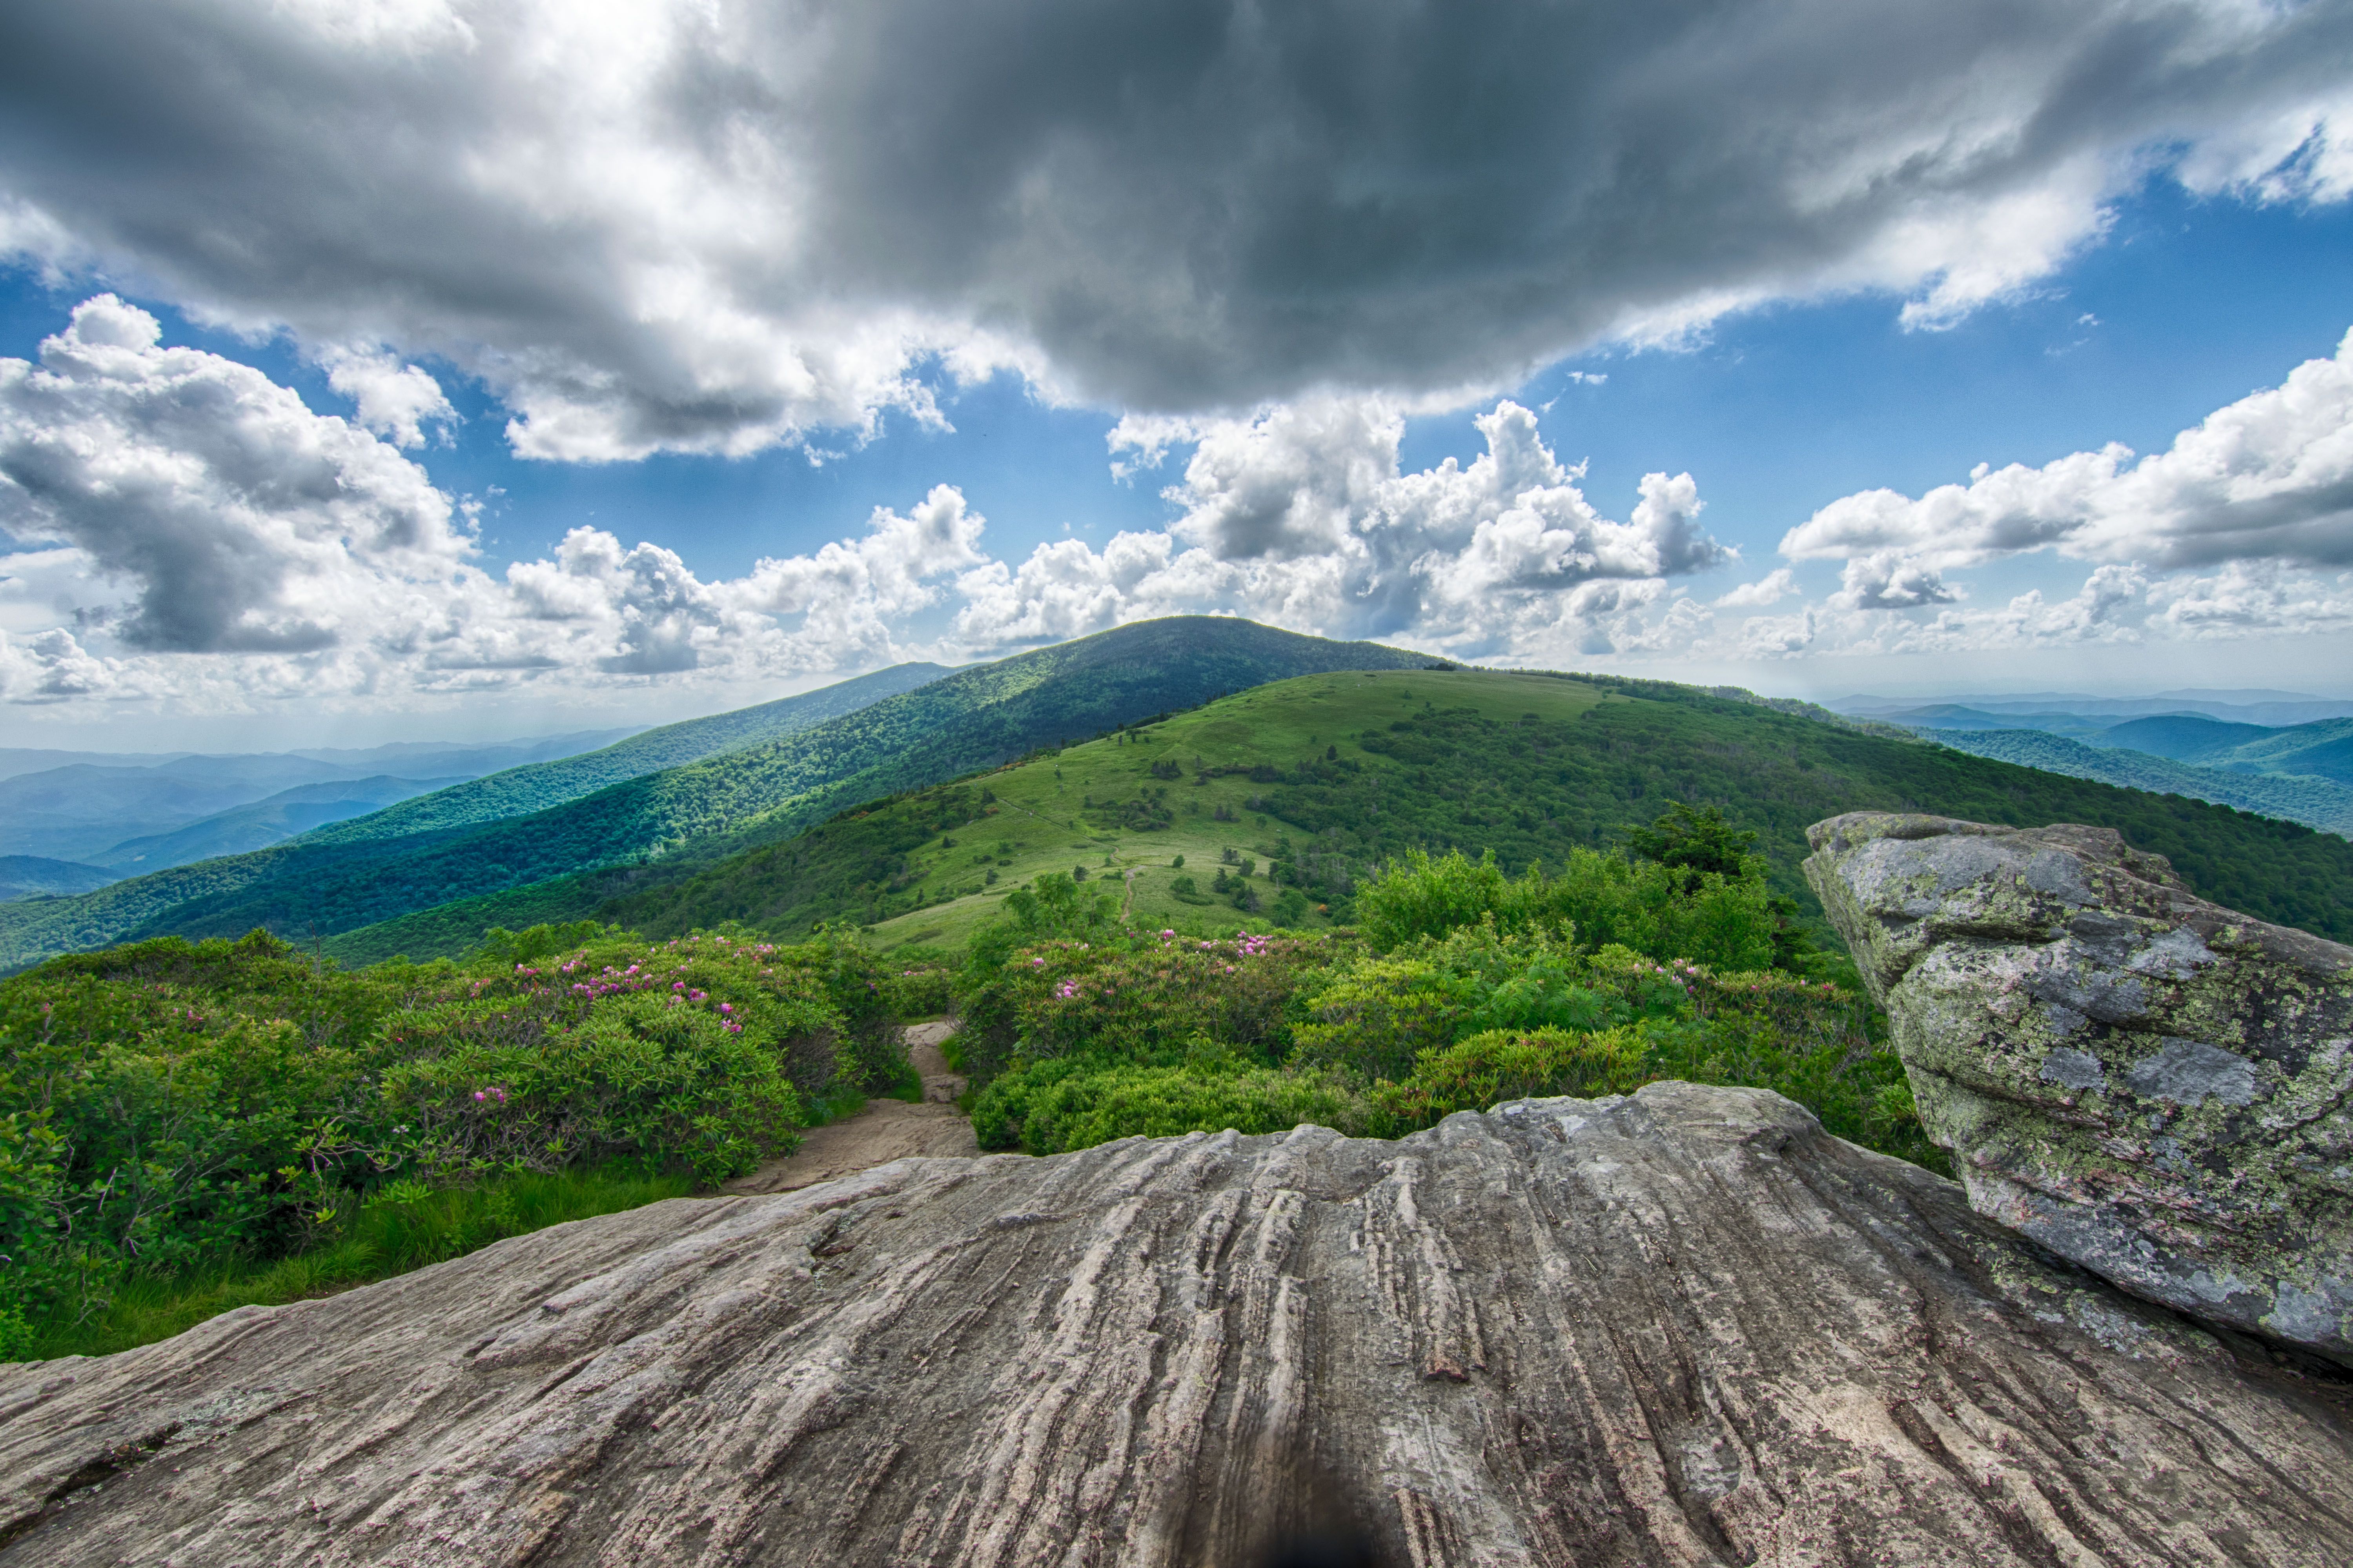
x,y
1600,899
1497,1065
1077,1102
166,1104
1097,1040
403,1226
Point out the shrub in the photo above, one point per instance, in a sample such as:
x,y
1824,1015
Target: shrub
x,y
1508,1064
515,1084
163,1103
1049,1107
1597,899
1374,1019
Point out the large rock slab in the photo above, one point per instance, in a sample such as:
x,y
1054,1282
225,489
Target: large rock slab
x,y
2150,1084
1686,1327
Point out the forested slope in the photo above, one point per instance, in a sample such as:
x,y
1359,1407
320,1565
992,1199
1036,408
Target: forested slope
x,y
325,884
2315,802
1320,781
519,792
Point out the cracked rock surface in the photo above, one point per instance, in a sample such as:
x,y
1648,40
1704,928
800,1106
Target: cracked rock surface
x,y
1681,1326
2153,1086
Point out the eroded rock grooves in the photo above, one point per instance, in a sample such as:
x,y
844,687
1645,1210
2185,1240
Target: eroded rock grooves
x,y
1686,1327
2153,1086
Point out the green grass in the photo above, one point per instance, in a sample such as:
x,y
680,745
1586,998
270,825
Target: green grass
x,y
1530,765
383,1239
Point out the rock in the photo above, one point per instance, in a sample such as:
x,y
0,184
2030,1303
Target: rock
x,y
2147,1083
1684,1327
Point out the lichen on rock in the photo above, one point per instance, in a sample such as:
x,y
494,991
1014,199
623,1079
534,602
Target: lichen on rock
x,y
2152,1085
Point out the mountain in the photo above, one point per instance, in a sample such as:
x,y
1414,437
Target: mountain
x,y
1958,716
14,760
2315,802
271,820
351,875
2184,737
1326,776
519,792
31,877
2030,710
86,804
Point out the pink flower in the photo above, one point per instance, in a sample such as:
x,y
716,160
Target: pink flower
x,y
678,984
478,1094
727,1006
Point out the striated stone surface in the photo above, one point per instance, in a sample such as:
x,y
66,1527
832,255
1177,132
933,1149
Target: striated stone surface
x,y
2150,1084
1686,1327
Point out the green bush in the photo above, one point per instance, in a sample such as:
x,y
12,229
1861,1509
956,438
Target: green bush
x,y
165,1104
1508,1064
1049,1107
1597,899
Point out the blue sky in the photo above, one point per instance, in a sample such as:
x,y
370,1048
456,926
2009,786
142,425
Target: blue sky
x,y
1304,401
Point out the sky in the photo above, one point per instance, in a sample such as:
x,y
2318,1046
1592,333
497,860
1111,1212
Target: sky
x,y
414,369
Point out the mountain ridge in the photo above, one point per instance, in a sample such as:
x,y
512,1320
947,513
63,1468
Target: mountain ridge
x,y
337,878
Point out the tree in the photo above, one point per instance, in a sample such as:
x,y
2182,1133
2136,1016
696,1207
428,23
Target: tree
x,y
1695,842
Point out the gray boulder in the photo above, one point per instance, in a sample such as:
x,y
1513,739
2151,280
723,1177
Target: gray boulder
x,y
2150,1084
1684,1327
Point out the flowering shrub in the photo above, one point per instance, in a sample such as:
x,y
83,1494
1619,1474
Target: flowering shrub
x,y
163,1102
1148,999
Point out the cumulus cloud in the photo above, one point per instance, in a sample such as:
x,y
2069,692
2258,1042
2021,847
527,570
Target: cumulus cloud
x,y
2269,477
1302,515
1770,589
179,527
237,520
395,400
714,225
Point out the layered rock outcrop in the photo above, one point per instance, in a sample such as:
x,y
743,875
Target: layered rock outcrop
x,y
1682,1327
2153,1086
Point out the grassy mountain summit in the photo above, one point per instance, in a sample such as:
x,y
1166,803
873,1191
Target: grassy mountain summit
x,y
1300,788
348,876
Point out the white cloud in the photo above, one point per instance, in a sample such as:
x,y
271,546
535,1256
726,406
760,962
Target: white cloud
x,y
1770,589
714,225
395,400
235,518
1301,515
185,529
2266,482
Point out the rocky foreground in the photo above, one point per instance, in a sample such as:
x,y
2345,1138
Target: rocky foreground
x,y
2153,1086
1686,1327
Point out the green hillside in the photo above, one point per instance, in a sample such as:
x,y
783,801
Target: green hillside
x,y
2184,737
360,850
519,792
272,820
322,886
35,877
1311,782
2315,802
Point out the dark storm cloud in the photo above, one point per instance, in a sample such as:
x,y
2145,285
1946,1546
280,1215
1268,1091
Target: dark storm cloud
x,y
708,227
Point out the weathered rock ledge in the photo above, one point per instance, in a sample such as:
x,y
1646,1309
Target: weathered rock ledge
x,y
2153,1086
1684,1327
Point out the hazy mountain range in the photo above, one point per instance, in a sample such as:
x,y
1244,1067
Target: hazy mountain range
x,y
2278,753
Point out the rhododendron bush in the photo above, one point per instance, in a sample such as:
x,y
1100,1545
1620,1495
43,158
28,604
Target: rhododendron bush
x,y
163,1102
1468,990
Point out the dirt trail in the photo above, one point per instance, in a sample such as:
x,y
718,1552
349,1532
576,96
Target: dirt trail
x,y
885,1130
